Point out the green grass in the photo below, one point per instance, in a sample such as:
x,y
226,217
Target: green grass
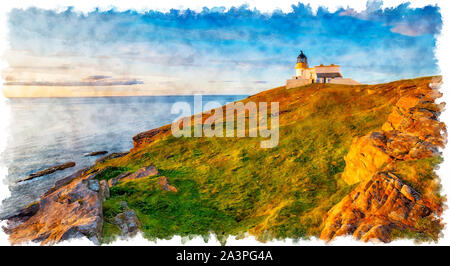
x,y
420,174
427,230
229,186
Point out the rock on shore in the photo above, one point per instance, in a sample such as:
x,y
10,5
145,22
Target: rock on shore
x,y
96,153
48,171
72,209
111,156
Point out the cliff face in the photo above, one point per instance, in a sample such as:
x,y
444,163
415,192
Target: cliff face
x,y
147,137
382,202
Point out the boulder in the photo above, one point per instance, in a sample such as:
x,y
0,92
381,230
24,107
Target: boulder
x,y
113,181
127,221
104,190
142,172
164,183
127,176
94,185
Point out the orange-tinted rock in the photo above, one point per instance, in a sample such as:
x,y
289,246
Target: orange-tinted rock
x,y
164,183
366,156
407,102
143,172
417,118
403,146
149,136
373,208
69,211
21,217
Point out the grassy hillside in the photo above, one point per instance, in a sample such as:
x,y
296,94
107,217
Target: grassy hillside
x,y
230,186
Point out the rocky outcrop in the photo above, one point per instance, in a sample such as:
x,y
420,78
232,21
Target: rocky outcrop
x,y
412,131
381,201
21,217
111,156
95,153
72,209
364,158
373,208
48,171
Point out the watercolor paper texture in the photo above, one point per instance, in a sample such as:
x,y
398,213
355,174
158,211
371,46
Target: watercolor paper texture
x,y
231,121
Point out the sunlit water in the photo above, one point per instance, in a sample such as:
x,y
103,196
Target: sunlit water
x,y
44,132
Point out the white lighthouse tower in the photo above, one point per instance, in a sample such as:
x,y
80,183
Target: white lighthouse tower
x,y
320,74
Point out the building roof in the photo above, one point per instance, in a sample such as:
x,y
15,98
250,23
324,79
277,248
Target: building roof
x,y
330,65
301,55
329,75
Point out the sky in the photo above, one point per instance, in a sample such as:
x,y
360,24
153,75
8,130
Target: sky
x,y
217,50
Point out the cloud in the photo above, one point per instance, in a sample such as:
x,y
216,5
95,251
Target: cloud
x,y
89,81
62,67
401,19
408,29
221,81
98,77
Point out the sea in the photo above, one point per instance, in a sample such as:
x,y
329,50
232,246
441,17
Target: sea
x,y
45,132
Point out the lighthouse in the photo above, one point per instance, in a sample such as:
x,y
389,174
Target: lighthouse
x,y
302,64
305,75
302,69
